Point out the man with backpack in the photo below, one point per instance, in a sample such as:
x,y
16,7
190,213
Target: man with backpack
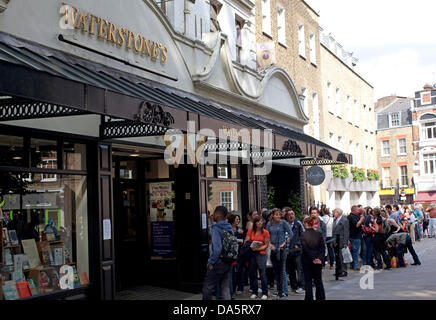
x,y
223,252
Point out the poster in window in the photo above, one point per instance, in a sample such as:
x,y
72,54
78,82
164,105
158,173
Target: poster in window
x,y
162,205
161,201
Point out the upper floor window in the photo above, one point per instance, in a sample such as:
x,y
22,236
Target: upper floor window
x,y
429,163
226,199
222,172
305,104
301,46
312,47
402,148
239,24
266,16
356,113
349,109
329,97
429,130
394,119
281,25
215,8
403,176
386,176
385,148
338,102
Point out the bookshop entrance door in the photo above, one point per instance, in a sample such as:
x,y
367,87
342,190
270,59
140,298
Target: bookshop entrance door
x,y
129,223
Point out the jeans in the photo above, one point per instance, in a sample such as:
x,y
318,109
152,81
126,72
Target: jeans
x,y
380,251
313,271
219,275
355,251
258,262
295,271
278,259
432,228
400,254
232,280
331,252
241,276
368,249
418,231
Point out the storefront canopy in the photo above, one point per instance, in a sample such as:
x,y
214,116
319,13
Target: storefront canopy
x,y
426,197
43,82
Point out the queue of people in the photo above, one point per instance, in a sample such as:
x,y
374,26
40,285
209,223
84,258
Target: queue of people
x,y
298,250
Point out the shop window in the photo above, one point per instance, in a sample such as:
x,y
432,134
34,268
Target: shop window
x,y
43,153
128,170
44,242
74,156
11,151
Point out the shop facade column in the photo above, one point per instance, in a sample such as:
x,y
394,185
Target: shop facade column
x,y
105,222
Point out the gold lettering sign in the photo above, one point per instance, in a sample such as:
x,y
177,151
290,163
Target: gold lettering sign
x,y
105,30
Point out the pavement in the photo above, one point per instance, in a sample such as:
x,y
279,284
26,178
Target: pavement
x,y
410,283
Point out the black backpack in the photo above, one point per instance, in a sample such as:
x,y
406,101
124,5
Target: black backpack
x,y
229,253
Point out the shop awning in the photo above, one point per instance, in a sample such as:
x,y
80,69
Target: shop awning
x,y
426,197
52,83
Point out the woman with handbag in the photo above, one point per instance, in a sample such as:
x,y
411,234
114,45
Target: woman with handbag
x,y
259,238
367,238
313,253
280,236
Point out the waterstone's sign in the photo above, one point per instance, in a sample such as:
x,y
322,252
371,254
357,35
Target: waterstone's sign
x,y
315,176
100,28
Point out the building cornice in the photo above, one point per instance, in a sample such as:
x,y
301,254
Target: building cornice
x,y
348,67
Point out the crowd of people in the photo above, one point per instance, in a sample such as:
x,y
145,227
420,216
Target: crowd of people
x,y
298,250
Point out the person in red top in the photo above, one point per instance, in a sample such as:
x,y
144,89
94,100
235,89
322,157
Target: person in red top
x,y
258,257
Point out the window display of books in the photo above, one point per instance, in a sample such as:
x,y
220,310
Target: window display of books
x,y
29,268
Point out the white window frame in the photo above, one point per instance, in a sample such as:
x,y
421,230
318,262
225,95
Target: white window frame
x,y
424,130
315,109
349,109
340,140
330,107
312,48
44,165
358,155
356,113
301,41
401,176
383,154
384,170
338,106
399,146
266,16
226,176
426,164
332,138
390,120
281,25
225,194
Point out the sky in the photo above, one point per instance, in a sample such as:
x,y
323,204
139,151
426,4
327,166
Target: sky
x,y
394,40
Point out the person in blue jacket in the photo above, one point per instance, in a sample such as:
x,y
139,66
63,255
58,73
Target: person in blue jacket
x,y
218,271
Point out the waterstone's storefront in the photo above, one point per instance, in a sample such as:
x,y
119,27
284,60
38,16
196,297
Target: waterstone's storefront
x,y
92,119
